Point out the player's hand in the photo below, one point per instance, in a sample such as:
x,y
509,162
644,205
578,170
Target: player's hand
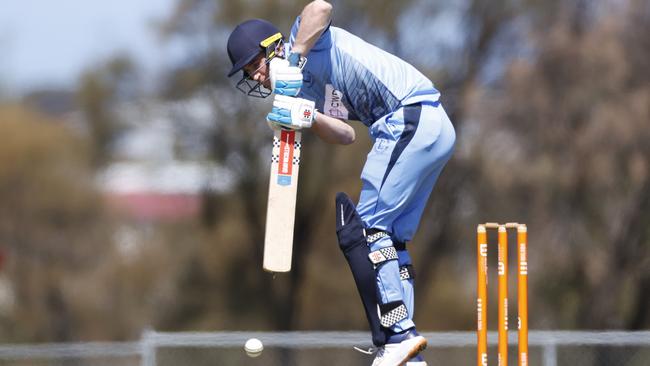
x,y
291,112
286,79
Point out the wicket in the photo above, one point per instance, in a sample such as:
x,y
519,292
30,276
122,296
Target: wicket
x,y
481,302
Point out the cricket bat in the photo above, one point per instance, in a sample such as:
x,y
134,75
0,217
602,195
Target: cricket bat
x,y
281,206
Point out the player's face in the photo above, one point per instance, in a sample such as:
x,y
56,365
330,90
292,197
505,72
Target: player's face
x,y
258,70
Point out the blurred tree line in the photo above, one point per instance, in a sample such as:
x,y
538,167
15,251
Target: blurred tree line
x,y
551,103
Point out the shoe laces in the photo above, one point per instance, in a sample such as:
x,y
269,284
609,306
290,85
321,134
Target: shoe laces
x,y
370,351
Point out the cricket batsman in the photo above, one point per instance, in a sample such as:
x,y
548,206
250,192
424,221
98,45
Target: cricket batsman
x,y
321,78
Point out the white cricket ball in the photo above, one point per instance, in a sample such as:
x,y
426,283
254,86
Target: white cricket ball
x,y
253,347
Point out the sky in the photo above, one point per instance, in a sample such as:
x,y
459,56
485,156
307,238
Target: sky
x,y
46,44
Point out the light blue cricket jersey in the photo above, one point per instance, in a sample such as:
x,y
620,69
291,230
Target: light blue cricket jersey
x,y
349,78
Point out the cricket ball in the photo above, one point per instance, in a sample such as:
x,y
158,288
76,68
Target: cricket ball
x,y
253,347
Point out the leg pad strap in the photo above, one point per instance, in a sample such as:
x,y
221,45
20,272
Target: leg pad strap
x,y
392,313
406,272
374,235
382,255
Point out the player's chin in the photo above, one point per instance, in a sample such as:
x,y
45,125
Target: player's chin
x,y
267,84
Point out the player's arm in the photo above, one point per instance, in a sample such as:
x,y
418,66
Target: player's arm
x,y
286,74
314,19
332,130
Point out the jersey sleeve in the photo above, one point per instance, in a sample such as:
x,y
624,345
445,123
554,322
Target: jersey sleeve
x,y
324,41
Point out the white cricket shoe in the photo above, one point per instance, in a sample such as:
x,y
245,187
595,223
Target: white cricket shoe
x,y
400,353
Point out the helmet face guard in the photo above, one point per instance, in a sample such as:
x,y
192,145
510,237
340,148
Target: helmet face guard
x,y
270,47
252,88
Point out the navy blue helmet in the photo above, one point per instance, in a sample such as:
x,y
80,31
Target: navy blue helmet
x,y
248,40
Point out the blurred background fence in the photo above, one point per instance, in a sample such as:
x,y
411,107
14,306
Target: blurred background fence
x,y
548,348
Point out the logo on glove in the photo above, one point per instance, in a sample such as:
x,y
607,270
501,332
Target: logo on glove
x,y
306,114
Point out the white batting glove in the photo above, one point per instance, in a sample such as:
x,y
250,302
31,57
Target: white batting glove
x,y
285,79
291,112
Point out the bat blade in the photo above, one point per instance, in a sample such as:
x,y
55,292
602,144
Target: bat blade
x,y
281,206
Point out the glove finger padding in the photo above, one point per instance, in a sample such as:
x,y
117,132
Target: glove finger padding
x,y
291,112
285,79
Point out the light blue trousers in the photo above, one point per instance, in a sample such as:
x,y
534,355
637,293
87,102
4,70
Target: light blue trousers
x,y
411,147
